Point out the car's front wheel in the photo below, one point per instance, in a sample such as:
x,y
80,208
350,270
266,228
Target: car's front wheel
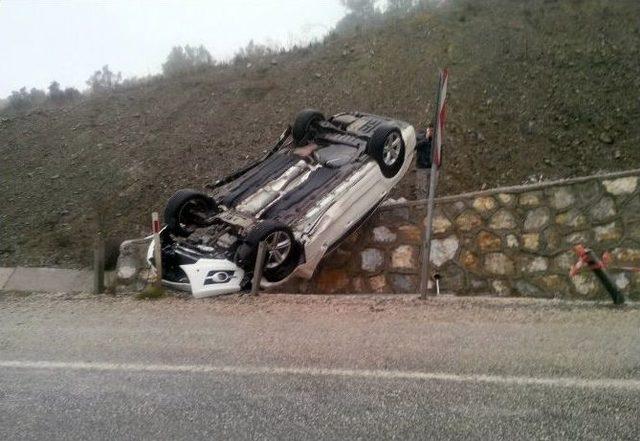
x,y
188,210
304,125
282,253
387,147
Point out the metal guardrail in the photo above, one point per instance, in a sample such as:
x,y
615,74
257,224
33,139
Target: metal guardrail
x,y
515,189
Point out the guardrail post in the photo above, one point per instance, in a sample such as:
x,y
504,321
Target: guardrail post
x,y
157,248
257,271
98,265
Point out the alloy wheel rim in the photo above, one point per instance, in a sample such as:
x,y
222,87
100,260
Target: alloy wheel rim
x,y
278,248
391,150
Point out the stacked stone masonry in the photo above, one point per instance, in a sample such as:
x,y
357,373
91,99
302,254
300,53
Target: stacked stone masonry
x,y
514,241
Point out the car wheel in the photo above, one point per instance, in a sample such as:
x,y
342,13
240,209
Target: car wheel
x,y
283,252
303,125
187,210
387,147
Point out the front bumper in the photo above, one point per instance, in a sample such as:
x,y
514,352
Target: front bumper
x,y
207,277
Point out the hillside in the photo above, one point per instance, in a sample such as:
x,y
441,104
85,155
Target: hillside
x,y
538,88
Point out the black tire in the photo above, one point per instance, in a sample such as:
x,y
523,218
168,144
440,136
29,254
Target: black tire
x,y
389,165
179,212
303,125
247,252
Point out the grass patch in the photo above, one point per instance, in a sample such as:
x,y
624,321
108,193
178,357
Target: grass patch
x,y
151,292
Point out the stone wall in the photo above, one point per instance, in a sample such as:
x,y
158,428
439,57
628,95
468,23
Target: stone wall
x,y
510,241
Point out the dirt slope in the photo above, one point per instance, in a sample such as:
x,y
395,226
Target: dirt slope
x,y
538,88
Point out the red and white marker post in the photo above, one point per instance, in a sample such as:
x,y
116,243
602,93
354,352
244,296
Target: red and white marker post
x,y
157,248
589,259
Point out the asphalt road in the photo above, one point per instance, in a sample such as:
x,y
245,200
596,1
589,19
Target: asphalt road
x,y
290,367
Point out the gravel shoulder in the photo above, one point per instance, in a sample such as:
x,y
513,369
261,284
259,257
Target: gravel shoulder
x,y
266,358
461,335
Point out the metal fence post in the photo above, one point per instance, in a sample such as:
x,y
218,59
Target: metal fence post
x,y
157,248
257,271
98,265
436,162
426,245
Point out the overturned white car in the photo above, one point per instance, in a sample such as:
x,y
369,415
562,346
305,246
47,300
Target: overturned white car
x,y
320,182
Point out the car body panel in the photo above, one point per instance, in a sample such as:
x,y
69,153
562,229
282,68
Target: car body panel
x,y
339,210
319,198
205,277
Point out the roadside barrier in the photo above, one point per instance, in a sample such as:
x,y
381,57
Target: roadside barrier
x,y
259,267
98,264
157,248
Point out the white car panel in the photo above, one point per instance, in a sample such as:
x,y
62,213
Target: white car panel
x,y
201,277
323,225
213,277
367,187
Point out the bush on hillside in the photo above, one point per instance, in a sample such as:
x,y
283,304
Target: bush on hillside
x,y
254,51
133,82
364,14
185,59
22,100
104,80
71,94
58,96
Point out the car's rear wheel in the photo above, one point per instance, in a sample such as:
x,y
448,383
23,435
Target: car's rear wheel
x,y
282,253
387,147
304,125
188,210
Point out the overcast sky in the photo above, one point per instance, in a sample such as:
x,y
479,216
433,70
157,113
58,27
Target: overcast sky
x,y
66,40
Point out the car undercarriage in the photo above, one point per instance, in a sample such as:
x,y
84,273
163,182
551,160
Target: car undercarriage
x,y
321,180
